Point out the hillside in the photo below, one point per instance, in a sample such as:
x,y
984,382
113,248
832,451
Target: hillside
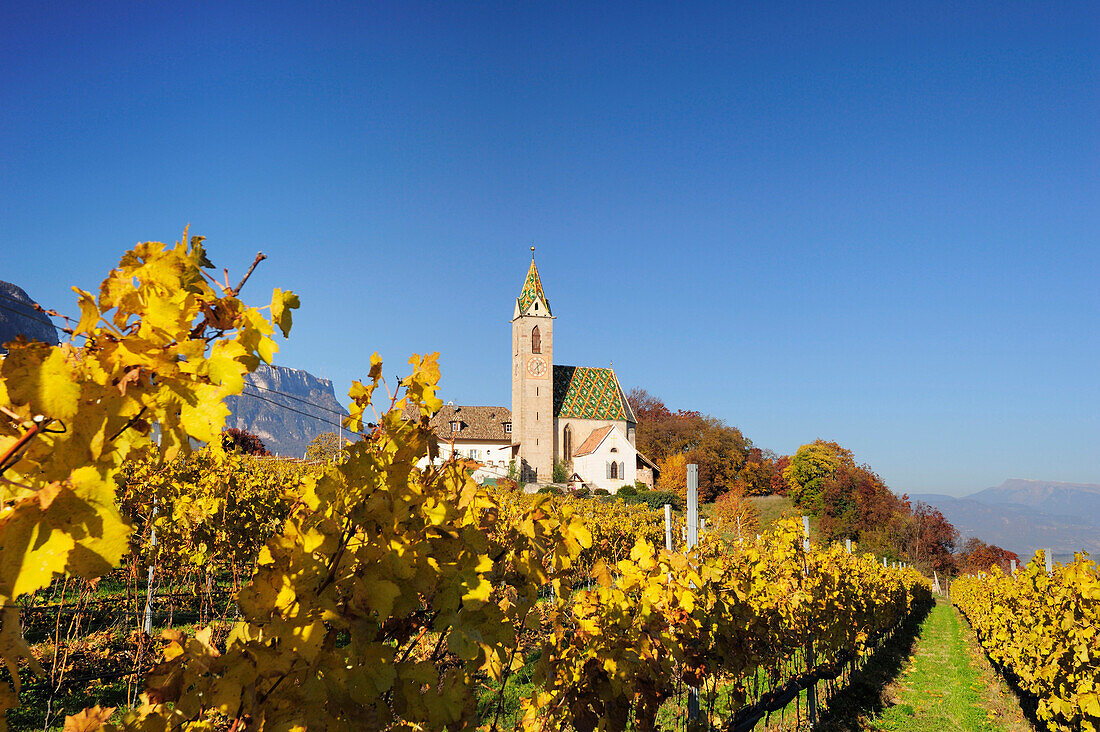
x,y
1027,515
18,317
286,408
1067,499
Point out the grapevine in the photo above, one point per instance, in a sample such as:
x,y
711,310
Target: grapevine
x,y
162,342
1045,630
380,595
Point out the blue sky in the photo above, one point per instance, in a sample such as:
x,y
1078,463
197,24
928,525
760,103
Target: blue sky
x,y
870,222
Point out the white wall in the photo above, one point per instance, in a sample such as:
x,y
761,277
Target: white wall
x,y
492,454
494,457
593,467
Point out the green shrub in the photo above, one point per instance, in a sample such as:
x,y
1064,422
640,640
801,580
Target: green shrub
x,y
656,499
601,492
627,491
560,473
552,490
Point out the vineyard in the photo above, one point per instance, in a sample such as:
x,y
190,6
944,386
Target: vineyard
x,y
366,592
1044,631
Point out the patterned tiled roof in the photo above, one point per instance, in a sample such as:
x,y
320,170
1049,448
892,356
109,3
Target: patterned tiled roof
x,y
532,287
589,393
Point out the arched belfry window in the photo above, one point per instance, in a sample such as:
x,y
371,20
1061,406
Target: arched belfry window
x,y
536,340
567,447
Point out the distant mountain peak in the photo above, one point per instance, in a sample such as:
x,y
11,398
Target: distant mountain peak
x,y
18,317
1027,514
286,408
1033,484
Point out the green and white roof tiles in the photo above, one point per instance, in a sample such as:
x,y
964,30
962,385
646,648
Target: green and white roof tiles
x,y
583,392
532,288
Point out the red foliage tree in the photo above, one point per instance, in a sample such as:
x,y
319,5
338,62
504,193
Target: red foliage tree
x,y
977,556
243,441
932,539
716,447
779,483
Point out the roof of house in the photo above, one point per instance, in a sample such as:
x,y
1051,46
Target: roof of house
x,y
584,392
593,441
648,463
532,288
475,423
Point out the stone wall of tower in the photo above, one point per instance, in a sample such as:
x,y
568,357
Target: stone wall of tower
x,y
533,396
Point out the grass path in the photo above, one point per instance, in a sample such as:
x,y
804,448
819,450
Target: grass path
x,y
947,685
930,677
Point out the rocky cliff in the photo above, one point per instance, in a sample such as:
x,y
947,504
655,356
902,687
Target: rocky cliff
x,y
286,408
18,317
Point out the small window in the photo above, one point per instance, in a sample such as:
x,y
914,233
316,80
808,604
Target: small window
x,y
614,449
567,447
536,340
454,426
614,471
508,428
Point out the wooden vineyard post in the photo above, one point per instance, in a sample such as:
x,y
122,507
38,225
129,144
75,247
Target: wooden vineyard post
x,y
692,540
1050,560
668,526
848,545
1012,567
811,690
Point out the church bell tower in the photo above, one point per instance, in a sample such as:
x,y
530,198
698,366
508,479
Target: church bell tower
x,y
533,380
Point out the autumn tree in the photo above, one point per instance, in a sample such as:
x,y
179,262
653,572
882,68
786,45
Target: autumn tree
x,y
779,486
717,448
977,556
932,539
325,447
854,500
243,441
735,515
673,475
757,474
810,467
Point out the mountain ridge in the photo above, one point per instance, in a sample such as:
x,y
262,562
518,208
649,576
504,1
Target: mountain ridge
x,y
1025,515
18,317
286,408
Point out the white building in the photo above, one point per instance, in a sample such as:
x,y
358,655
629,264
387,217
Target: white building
x,y
606,459
479,433
574,416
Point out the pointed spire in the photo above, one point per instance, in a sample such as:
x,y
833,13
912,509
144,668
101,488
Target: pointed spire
x,y
532,288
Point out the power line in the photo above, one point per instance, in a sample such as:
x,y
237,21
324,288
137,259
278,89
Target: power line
x,y
296,411
341,414
295,398
28,316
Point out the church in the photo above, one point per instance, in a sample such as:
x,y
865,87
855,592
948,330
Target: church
x,y
576,415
